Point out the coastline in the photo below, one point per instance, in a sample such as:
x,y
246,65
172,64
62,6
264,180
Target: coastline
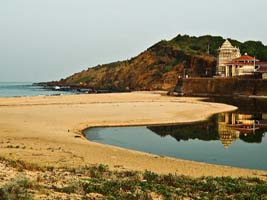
x,y
47,130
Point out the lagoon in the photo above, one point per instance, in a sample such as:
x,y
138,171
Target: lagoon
x,y
235,139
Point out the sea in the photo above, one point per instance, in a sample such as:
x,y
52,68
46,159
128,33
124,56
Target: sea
x,y
20,89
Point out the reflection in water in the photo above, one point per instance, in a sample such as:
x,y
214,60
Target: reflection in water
x,y
226,127
248,127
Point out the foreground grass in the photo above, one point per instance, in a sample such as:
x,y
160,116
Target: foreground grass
x,y
98,182
18,188
133,185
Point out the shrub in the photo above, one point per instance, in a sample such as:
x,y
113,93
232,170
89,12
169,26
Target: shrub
x,y
17,189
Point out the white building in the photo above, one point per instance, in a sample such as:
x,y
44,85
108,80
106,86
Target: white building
x,y
244,65
230,63
226,54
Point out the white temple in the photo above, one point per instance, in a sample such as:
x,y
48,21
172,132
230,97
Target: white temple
x,y
226,54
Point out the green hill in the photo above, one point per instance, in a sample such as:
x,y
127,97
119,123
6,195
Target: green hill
x,y
160,66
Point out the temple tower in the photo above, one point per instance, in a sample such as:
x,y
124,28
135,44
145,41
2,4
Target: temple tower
x,y
226,54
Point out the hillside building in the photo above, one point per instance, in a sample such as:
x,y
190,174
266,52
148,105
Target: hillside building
x,y
230,63
227,53
262,70
244,65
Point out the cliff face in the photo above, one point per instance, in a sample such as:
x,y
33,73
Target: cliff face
x,y
157,68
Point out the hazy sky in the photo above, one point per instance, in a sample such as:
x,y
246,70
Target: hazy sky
x,y
43,40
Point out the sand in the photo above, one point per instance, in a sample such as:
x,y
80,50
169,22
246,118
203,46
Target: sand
x,y
47,130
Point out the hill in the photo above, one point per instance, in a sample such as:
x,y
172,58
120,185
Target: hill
x,y
160,66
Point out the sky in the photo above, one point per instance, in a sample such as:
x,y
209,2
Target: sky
x,y
44,40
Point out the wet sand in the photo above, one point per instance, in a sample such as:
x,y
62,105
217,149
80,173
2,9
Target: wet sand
x,y
48,130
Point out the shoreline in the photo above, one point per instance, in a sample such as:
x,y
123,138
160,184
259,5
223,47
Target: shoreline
x,y
142,125
48,130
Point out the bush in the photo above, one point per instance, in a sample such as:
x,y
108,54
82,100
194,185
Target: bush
x,y
17,189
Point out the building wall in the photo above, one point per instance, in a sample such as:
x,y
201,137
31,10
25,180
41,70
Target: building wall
x,y
223,86
245,70
225,56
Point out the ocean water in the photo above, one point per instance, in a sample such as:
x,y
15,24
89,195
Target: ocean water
x,y
17,89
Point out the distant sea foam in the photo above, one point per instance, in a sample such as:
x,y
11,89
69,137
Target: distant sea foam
x,y
15,89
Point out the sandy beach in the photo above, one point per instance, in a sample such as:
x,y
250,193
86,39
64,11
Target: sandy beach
x,y
48,130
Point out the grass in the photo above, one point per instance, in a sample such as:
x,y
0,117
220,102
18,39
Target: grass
x,y
137,185
131,185
17,189
21,165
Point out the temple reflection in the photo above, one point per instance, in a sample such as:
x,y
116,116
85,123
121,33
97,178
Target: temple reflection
x,y
226,127
232,126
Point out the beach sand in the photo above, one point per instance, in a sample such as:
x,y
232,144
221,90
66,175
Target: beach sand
x,y
47,130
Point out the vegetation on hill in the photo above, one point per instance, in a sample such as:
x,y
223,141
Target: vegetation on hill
x,y
210,44
160,66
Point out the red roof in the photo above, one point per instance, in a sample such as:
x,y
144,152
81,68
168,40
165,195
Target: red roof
x,y
262,69
246,58
262,64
